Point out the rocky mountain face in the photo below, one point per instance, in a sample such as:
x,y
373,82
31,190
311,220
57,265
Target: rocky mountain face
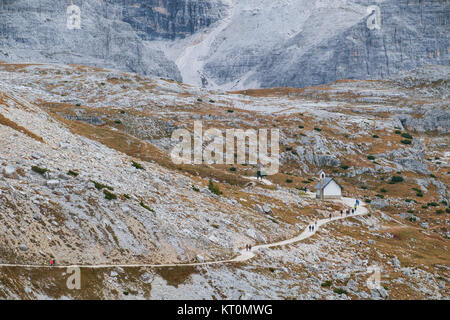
x,y
37,31
232,44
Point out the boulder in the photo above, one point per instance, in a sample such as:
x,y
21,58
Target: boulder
x,y
10,172
52,183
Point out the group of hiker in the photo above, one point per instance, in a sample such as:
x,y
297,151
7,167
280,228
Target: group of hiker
x,y
248,247
350,211
312,227
342,212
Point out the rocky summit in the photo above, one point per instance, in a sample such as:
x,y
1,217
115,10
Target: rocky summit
x,y
232,44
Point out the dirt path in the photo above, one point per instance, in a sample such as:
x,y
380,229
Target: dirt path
x,y
244,255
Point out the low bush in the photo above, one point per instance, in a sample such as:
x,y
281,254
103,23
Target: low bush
x,y
214,188
39,170
371,157
326,283
100,186
72,173
406,141
109,195
143,205
406,136
137,165
340,291
396,179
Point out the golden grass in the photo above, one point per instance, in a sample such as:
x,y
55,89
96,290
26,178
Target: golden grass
x,y
7,122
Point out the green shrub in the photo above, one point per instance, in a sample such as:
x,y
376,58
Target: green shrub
x,y
363,187
100,186
122,112
368,201
433,204
375,136
272,269
117,122
230,111
345,167
78,104
439,211
301,127
340,291
214,188
109,195
126,196
383,190
211,101
379,196
424,206
406,135
412,219
318,129
137,165
447,210
326,283
419,194
408,200
143,205
72,173
371,157
288,148
289,180
39,170
195,188
233,169
398,132
432,176
406,141
396,179
199,100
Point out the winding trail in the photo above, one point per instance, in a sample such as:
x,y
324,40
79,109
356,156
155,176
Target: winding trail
x,y
242,257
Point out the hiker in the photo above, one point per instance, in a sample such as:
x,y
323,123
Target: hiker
x,y
330,216
357,202
259,175
250,247
52,263
246,247
342,212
